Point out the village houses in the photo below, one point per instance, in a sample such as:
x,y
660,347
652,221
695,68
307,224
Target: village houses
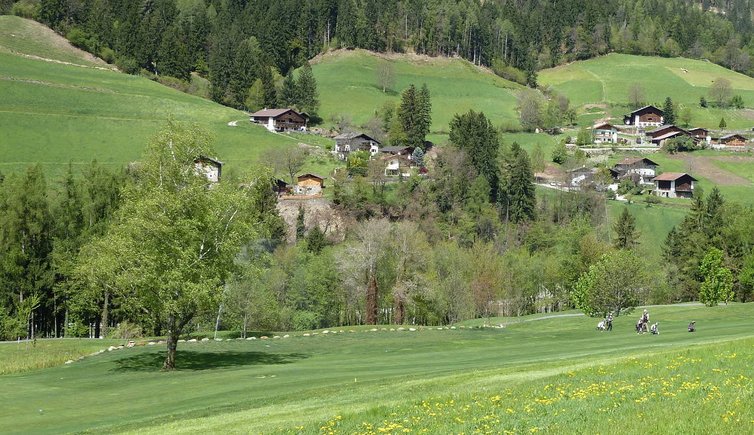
x,y
647,116
354,141
641,169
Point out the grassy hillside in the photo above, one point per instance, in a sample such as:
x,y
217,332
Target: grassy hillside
x,y
347,85
350,379
52,113
606,80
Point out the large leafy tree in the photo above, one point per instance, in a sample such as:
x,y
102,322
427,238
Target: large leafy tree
x,y
718,279
618,282
172,245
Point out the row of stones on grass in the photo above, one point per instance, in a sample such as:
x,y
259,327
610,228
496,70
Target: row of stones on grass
x,y
132,343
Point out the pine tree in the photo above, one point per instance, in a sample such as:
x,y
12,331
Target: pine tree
x,y
408,114
668,111
625,228
288,93
308,97
268,86
473,133
423,117
517,188
173,57
418,157
722,124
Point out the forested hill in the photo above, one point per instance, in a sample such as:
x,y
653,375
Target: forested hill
x,y
230,41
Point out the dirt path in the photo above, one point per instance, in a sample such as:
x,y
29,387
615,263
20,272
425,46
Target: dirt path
x,y
705,167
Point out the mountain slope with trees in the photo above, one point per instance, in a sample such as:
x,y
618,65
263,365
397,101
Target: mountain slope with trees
x,y
232,42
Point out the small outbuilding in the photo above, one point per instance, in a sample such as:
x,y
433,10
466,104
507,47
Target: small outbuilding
x,y
310,184
732,140
209,167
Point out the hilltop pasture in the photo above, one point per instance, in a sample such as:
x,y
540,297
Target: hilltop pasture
x,y
53,113
605,81
438,379
347,83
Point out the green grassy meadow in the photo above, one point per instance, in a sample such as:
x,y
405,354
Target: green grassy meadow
x,y
52,113
347,85
606,80
553,373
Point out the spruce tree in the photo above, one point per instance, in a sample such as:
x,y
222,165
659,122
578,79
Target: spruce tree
x,y
423,117
289,93
268,86
418,157
625,227
518,192
668,111
474,134
308,97
407,114
722,124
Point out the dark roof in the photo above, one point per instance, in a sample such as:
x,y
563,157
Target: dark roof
x,y
668,135
605,126
698,129
672,176
649,108
666,127
208,159
311,175
354,135
395,149
732,135
632,160
274,113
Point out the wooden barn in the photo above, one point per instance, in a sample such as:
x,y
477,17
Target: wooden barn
x,y
646,116
309,184
281,119
732,140
661,134
674,185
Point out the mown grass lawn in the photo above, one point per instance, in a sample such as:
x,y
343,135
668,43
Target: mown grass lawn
x,y
300,384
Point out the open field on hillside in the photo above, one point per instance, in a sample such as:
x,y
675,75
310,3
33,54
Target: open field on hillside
x,y
54,113
348,379
607,79
347,85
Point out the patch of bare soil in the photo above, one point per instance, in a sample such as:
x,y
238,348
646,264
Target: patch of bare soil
x,y
704,166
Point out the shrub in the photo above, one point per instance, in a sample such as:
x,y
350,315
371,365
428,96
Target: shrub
x,y
125,331
305,320
127,64
737,102
26,9
107,54
79,38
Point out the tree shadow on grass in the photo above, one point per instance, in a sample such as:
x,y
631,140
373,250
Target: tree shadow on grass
x,y
189,360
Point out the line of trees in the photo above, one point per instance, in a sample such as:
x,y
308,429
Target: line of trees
x,y
232,42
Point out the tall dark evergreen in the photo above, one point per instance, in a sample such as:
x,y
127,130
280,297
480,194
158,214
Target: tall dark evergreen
x,y
308,96
173,58
669,111
474,134
517,193
625,229
289,92
268,87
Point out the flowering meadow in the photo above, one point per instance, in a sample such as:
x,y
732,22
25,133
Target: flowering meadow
x,y
705,389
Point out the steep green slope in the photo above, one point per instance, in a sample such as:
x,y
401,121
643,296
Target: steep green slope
x,y
606,80
52,113
347,82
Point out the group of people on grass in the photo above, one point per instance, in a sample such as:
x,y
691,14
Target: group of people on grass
x,y
642,326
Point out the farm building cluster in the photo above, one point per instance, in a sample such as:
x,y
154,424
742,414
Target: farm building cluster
x,y
646,126
641,171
